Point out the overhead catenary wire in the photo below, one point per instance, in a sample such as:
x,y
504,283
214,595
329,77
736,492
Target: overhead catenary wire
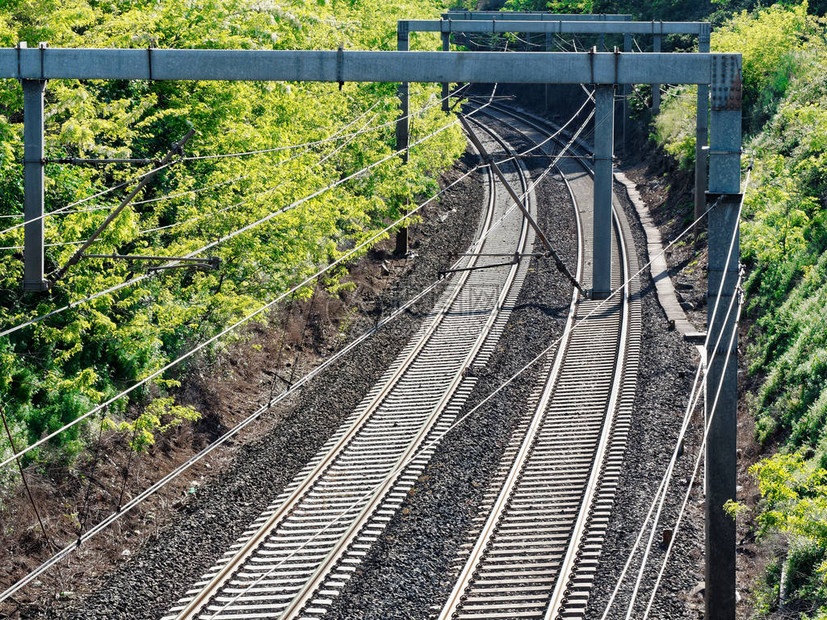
x,y
333,136
32,501
293,157
712,324
353,506
661,491
323,140
308,145
554,160
659,498
139,177
225,238
698,459
238,323
48,245
122,509
692,403
180,194
249,198
161,483
694,395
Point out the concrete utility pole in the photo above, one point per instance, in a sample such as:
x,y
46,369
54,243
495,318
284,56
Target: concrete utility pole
x,y
702,130
722,372
657,41
602,220
626,91
403,125
33,183
446,86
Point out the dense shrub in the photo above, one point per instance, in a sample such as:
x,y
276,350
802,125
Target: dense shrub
x,y
54,371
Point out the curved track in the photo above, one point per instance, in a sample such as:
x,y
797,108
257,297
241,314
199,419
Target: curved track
x,y
537,547
302,550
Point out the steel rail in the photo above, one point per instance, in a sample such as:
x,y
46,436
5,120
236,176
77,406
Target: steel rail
x,y
498,507
288,507
514,515
194,606
567,594
298,605
574,583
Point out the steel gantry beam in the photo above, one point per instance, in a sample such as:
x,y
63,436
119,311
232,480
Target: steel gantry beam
x,y
445,28
505,18
557,26
354,66
535,16
484,22
597,68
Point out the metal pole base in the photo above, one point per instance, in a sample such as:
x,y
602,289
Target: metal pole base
x,y
401,242
36,285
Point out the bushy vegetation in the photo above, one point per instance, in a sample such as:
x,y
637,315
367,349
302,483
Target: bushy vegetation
x,y
784,245
54,371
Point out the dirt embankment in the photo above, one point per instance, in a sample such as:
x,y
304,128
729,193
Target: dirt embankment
x,y
210,504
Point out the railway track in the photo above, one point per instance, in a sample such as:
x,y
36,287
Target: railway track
x,y
300,552
537,544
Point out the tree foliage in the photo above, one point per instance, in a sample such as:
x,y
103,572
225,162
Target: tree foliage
x,y
54,371
795,499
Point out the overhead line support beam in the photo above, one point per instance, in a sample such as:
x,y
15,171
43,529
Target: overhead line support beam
x,y
550,24
560,26
356,66
606,69
533,16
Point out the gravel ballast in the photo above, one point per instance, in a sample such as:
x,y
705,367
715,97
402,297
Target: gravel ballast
x,y
159,573
410,572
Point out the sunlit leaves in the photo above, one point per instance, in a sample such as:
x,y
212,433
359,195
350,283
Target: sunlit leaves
x,y
160,415
123,337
